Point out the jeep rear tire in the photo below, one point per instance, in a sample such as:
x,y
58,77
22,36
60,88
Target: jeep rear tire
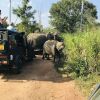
x,y
17,65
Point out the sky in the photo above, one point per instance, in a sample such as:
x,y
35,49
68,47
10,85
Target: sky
x,y
42,6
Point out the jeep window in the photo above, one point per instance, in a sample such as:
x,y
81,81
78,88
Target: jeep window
x,y
3,35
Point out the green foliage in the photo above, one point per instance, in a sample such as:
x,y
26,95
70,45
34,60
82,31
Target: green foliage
x,y
26,16
66,15
31,28
83,53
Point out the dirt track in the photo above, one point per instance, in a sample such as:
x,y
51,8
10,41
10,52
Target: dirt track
x,y
38,81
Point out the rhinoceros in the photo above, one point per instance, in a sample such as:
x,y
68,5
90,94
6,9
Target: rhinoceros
x,y
35,42
52,47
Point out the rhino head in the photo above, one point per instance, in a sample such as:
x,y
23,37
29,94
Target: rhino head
x,y
60,46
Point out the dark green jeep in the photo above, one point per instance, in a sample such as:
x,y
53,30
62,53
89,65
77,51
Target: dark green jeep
x,y
12,50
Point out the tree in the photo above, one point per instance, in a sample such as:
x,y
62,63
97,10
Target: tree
x,y
66,14
26,16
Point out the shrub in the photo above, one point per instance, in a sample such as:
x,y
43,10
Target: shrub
x,y
83,53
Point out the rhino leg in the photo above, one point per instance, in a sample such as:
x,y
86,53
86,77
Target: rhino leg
x,y
48,57
43,57
54,58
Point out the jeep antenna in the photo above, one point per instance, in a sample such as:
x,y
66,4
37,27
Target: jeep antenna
x,y
9,11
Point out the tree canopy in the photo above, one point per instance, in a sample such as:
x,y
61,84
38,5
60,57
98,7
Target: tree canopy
x,y
66,15
26,16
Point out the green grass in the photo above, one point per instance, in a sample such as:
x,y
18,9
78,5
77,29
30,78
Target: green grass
x,y
83,52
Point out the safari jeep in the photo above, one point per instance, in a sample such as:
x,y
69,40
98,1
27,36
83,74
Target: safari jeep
x,y
12,50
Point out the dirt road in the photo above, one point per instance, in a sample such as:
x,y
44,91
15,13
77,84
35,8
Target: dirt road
x,y
38,81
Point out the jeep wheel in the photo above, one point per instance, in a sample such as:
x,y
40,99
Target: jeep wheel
x,y
17,65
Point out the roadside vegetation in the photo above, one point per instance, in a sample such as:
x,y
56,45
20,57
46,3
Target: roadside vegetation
x,y
81,34
82,63
83,52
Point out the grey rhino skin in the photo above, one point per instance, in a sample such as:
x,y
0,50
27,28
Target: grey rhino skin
x,y
52,47
36,40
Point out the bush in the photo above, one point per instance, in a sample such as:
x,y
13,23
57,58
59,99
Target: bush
x,y
83,53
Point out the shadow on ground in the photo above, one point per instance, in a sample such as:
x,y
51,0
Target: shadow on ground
x,y
40,70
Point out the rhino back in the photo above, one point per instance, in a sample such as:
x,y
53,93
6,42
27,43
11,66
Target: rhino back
x,y
40,40
37,40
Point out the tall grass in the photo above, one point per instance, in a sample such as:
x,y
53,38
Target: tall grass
x,y
83,53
